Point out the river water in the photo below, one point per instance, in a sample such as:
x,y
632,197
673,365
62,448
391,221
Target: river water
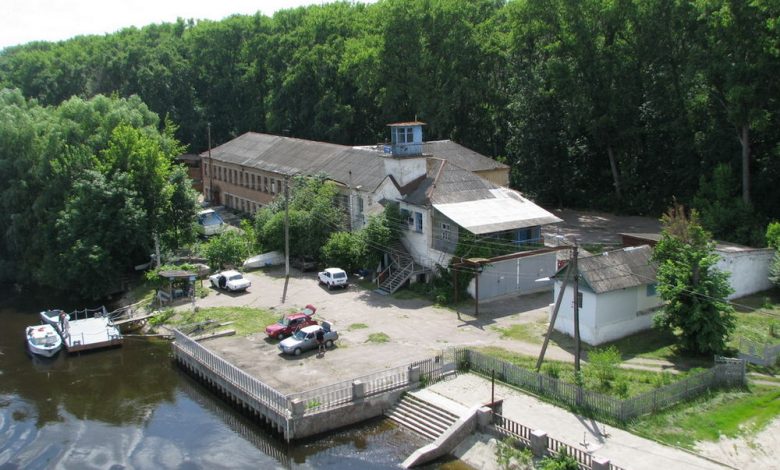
x,y
131,407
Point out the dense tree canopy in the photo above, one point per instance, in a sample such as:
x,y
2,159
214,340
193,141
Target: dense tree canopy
x,y
83,187
618,105
693,288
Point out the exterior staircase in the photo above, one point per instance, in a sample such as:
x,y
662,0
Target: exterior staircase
x,y
402,267
422,417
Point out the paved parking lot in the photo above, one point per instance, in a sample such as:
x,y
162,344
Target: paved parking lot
x,y
416,330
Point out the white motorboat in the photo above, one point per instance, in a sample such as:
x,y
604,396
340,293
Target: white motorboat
x,y
43,340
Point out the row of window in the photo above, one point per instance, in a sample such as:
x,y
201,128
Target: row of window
x,y
241,204
244,178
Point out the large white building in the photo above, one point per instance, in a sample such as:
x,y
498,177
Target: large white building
x,y
443,189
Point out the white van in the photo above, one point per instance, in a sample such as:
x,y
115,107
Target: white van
x,y
210,223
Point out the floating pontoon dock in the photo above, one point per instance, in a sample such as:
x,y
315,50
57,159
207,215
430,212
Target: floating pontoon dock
x,y
87,329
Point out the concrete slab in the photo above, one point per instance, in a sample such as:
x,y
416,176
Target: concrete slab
x,y
620,447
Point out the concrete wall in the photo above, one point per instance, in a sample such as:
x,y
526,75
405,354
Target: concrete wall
x,y
499,176
357,411
449,440
515,277
748,269
406,169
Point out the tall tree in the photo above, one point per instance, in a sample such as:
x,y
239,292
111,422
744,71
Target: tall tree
x,y
694,290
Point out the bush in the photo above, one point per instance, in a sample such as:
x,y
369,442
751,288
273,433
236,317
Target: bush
x,y
553,369
508,456
562,461
604,362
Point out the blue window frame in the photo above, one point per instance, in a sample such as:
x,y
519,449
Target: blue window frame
x,y
418,222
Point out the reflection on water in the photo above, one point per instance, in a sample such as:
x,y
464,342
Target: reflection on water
x,y
131,407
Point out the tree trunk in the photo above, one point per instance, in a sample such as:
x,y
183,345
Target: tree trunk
x,y
613,166
744,139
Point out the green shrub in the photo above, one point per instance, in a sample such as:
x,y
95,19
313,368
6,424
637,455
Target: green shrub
x,y
162,317
562,461
553,369
603,363
509,456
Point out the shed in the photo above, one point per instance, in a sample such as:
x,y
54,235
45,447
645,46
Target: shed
x,y
617,295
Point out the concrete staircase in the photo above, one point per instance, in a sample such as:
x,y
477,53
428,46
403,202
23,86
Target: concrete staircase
x,y
421,416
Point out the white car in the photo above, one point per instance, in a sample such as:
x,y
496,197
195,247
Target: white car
x,y
210,223
231,280
333,277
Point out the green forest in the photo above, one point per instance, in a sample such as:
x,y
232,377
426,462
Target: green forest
x,y
618,105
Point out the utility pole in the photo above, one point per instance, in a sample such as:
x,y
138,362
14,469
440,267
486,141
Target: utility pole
x,y
211,167
576,307
287,226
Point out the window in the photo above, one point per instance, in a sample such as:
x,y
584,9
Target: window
x,y
253,181
405,135
418,219
273,186
265,184
360,205
445,231
579,299
651,289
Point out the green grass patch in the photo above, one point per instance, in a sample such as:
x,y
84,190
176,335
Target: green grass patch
x,y
378,338
727,413
245,320
626,382
526,332
357,326
757,327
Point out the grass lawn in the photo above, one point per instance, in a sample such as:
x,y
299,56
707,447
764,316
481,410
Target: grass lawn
x,y
728,413
245,320
626,382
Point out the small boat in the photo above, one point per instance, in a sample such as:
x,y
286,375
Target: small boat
x,y
271,258
52,317
43,340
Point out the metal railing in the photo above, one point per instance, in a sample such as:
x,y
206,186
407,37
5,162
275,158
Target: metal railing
x,y
759,354
254,388
396,378
506,427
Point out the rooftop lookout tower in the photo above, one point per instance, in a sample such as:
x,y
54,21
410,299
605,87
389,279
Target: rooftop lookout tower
x,y
406,139
404,158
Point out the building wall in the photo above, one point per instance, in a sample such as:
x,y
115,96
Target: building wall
x,y
405,170
499,176
241,188
608,316
748,270
515,277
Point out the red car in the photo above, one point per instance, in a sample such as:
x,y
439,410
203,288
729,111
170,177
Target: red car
x,y
290,323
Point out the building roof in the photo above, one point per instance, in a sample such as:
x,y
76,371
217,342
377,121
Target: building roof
x,y
288,156
619,269
652,238
461,156
475,203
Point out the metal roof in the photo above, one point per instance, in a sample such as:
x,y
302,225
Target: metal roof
x,y
461,156
506,209
619,269
288,156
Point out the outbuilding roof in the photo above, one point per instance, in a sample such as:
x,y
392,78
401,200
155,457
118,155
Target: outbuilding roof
x,y
619,269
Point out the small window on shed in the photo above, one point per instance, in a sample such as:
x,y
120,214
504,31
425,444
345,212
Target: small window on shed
x,y
651,289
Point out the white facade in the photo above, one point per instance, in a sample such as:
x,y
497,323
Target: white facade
x,y
748,269
608,316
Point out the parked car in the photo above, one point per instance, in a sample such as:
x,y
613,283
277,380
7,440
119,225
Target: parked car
x,y
290,323
210,223
231,280
333,277
306,338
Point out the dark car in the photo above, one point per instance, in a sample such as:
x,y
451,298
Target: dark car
x,y
290,323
